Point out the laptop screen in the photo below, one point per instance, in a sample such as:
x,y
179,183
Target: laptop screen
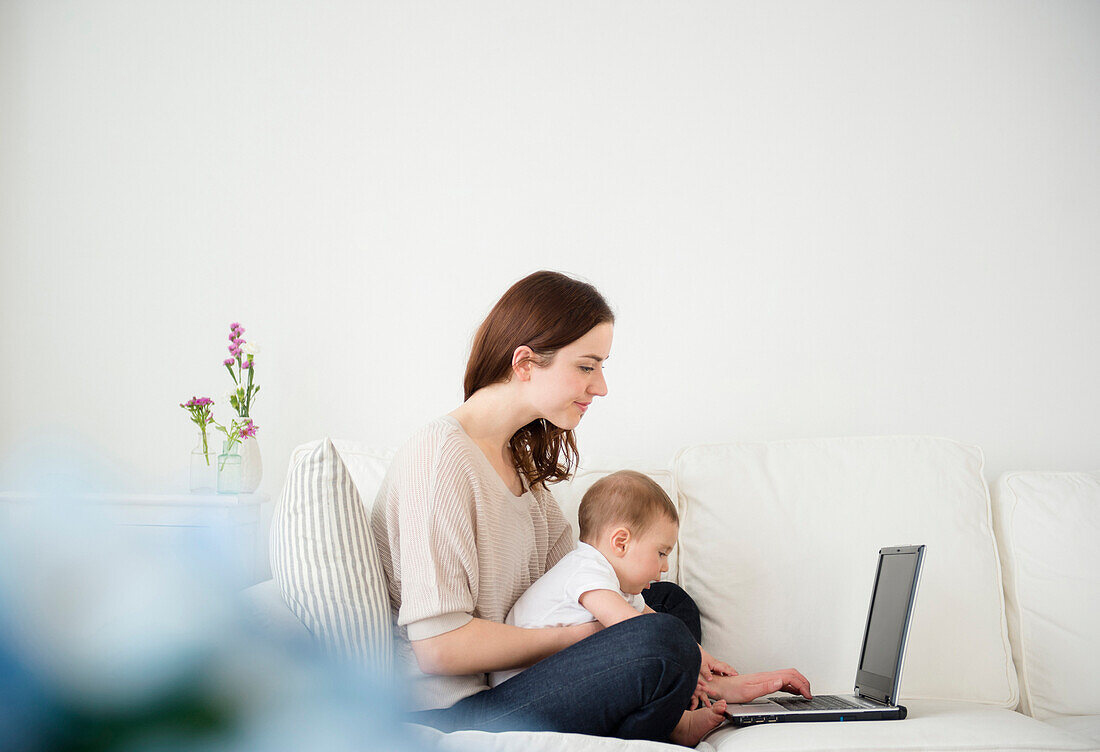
x,y
887,622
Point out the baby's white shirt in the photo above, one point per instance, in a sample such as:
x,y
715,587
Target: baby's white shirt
x,y
554,599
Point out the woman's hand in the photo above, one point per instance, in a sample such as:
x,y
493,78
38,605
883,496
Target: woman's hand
x,y
748,687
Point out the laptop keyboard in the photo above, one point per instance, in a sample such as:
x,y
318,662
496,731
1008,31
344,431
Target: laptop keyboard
x,y
821,702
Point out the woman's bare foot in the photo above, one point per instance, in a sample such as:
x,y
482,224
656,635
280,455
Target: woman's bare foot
x,y
694,724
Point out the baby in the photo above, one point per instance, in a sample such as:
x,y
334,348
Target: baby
x,y
628,527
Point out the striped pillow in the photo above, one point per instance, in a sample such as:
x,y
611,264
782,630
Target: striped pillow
x,y
324,560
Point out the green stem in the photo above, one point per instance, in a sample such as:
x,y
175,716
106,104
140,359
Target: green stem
x,y
248,399
228,451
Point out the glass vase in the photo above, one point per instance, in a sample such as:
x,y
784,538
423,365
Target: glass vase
x,y
204,467
252,466
229,470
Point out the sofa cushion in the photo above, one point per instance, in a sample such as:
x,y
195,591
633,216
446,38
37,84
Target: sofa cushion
x,y
324,559
1048,525
931,726
778,547
1086,726
265,606
534,741
569,493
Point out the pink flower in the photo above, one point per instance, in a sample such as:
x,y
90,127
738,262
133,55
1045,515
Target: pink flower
x,y
228,362
234,325
246,364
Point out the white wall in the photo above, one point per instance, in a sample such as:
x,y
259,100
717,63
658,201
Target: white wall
x,y
811,219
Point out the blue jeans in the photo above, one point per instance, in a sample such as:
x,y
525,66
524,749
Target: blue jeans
x,y
633,681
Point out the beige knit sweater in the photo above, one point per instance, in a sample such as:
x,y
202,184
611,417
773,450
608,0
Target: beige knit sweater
x,y
456,544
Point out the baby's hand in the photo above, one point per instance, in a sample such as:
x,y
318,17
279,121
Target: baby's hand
x,y
710,666
700,697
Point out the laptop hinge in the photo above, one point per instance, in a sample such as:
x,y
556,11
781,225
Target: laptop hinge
x,y
880,700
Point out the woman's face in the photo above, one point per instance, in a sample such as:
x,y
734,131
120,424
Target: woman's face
x,y
562,391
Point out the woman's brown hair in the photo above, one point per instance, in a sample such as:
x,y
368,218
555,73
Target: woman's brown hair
x,y
545,311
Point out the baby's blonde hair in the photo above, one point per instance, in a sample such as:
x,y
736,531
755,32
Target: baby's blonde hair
x,y
627,498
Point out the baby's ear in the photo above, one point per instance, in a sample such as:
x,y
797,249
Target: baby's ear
x,y
620,536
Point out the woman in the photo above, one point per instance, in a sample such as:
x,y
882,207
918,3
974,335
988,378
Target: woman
x,y
465,523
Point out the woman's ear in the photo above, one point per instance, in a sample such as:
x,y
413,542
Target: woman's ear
x,y
523,361
620,537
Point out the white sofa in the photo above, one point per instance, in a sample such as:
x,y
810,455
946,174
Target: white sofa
x,y
778,542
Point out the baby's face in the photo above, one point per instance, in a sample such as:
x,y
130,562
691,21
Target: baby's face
x,y
646,556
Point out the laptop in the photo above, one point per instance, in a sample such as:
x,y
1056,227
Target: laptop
x,y
878,673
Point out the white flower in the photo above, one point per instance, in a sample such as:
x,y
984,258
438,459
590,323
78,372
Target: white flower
x,y
251,348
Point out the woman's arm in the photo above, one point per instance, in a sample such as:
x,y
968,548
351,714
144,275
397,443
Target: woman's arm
x,y
481,646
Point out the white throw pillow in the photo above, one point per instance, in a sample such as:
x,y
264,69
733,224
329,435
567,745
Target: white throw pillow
x,y
1048,525
779,542
324,559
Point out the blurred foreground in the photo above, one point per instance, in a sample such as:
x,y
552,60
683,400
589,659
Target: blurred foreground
x,y
106,644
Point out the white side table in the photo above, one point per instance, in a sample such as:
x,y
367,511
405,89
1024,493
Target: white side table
x,y
174,522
